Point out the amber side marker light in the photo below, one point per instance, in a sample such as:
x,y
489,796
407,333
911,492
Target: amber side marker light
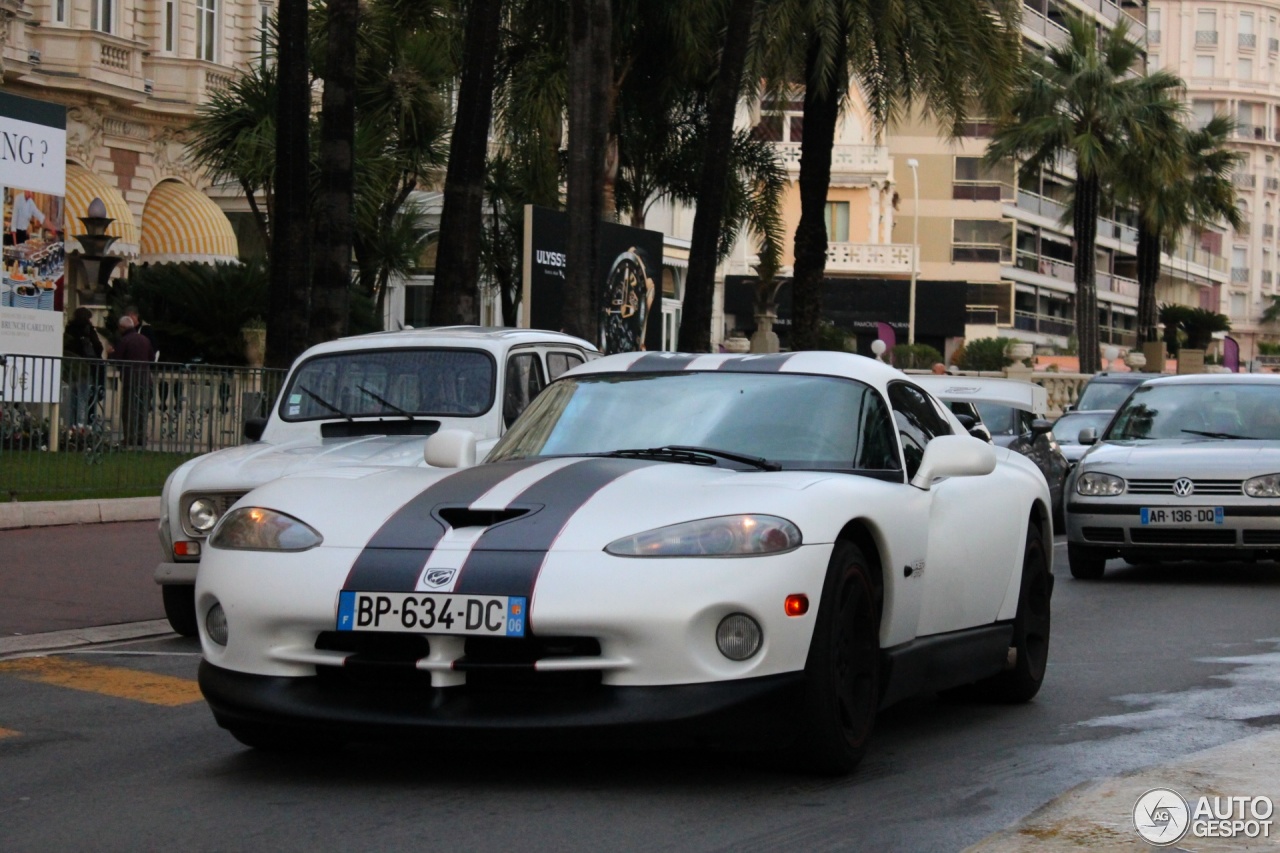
x,y
796,605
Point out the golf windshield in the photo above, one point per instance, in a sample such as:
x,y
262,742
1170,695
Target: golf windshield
x,y
1200,410
791,420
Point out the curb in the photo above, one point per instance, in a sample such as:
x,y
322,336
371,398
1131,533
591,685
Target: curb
x,y
30,644
17,514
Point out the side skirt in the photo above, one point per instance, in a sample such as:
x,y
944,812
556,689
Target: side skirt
x,y
945,660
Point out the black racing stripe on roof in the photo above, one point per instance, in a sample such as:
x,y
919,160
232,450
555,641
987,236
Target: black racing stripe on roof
x,y
396,553
507,558
771,363
658,362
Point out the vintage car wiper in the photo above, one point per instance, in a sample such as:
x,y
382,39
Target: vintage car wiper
x,y
322,401
390,405
1215,434
690,455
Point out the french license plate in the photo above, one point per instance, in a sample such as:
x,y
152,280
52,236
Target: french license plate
x,y
432,613
1196,516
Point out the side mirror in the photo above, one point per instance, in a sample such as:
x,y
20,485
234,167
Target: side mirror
x,y
954,456
1040,427
254,427
450,448
1088,435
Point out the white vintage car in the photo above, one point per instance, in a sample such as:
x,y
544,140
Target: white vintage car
x,y
364,400
754,551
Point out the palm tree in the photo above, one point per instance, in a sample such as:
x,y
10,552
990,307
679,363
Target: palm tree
x,y
1082,101
945,56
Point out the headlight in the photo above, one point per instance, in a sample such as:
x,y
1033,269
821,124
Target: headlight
x,y
253,528
202,514
1096,485
725,536
1266,486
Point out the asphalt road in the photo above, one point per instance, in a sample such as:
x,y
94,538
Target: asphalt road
x,y
1147,665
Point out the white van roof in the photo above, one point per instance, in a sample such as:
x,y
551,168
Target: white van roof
x,y
1026,396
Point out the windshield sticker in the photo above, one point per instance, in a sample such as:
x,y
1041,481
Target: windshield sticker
x,y
295,398
295,410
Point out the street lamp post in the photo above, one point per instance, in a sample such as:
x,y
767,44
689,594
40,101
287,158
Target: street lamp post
x,y
913,164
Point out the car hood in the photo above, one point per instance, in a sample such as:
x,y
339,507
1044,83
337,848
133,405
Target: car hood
x,y
577,503
251,465
1191,457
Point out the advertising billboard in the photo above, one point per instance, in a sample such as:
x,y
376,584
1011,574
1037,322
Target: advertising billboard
x,y
629,277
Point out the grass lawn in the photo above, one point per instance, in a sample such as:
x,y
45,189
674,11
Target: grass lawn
x,y
32,475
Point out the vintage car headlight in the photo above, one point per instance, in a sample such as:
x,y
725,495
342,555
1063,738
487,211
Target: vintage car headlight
x,y
1095,485
724,536
1266,486
253,528
202,514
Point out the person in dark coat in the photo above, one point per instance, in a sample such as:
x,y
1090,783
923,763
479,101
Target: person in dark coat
x,y
144,329
84,375
136,353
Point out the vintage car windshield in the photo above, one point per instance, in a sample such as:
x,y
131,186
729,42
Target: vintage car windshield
x,y
1219,410
792,420
391,382
1103,395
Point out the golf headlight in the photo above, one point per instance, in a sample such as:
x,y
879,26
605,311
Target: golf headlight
x,y
202,514
1266,486
725,536
1096,485
253,528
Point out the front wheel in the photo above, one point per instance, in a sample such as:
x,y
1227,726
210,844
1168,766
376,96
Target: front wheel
x,y
843,670
1087,564
1030,628
180,607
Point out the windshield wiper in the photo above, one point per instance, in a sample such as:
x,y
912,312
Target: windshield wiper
x,y
1215,434
690,455
322,401
390,405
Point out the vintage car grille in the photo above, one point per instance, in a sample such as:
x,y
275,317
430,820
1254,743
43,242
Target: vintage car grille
x,y
1202,487
1262,537
491,663
1180,536
223,501
1104,534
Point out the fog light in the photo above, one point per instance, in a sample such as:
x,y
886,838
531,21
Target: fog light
x,y
738,636
216,624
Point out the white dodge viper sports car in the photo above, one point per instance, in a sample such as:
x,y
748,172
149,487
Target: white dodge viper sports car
x,y
748,551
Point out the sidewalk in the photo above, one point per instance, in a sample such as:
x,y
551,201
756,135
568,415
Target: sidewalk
x,y
16,514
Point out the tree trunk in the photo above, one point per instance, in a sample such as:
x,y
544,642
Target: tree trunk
x,y
455,293
821,110
590,78
331,281
704,243
289,304
1148,276
1085,224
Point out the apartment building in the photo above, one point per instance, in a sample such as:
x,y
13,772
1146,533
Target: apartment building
x,y
131,74
1229,54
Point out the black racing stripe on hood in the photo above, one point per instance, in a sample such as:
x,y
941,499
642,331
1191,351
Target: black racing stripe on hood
x,y
507,558
396,553
771,363
660,362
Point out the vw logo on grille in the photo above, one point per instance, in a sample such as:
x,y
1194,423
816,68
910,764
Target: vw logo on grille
x,y
1182,487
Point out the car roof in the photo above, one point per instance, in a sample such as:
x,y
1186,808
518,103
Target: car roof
x,y
1026,396
1218,379
1131,377
491,338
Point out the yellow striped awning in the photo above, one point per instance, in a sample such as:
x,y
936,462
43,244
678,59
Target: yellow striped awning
x,y
180,223
83,187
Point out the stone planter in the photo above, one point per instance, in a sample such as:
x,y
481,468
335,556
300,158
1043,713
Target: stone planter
x,y
1135,360
1190,360
1020,350
737,345
1153,353
255,346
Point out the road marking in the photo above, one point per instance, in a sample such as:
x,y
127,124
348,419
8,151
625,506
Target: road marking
x,y
4,733
106,680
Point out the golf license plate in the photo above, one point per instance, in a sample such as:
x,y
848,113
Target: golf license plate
x,y
1183,516
432,613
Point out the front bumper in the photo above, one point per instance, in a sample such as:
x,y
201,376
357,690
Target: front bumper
x,y
176,573
1249,531
752,712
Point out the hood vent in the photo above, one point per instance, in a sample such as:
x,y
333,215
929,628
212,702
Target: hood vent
x,y
461,516
358,429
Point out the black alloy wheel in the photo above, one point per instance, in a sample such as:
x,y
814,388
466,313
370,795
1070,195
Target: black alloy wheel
x,y
1087,564
1031,624
843,670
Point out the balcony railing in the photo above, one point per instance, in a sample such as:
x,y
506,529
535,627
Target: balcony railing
x,y
1206,38
1248,40
870,257
1240,274
1268,231
1154,36
1118,284
980,254
1244,180
1040,205
1273,184
845,159
1244,228
1266,276
1043,324
1251,131
1273,45
982,191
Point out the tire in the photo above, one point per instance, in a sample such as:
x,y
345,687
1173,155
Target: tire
x,y
1087,564
180,608
843,670
1031,624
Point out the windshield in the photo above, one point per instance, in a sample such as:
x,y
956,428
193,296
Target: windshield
x,y
1103,395
1000,420
792,420
391,383
1067,428
1226,411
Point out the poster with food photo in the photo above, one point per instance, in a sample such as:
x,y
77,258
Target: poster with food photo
x,y
34,257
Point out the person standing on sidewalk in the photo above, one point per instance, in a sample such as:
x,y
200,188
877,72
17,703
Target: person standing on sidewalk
x,y
135,380
84,376
144,329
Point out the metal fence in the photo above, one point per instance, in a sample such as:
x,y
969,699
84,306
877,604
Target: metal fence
x,y
72,427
